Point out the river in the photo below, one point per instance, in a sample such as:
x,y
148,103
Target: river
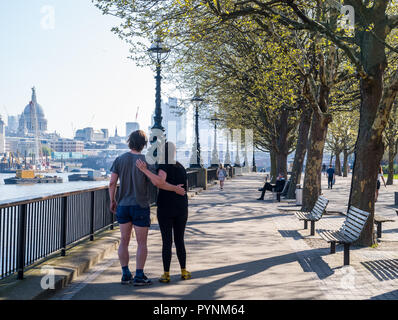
x,y
23,192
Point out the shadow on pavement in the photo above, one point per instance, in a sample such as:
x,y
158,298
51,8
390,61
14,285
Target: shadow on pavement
x,y
232,220
206,291
386,296
383,270
314,262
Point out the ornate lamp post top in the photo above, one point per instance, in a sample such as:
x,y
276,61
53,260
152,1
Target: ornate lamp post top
x,y
215,119
197,99
158,52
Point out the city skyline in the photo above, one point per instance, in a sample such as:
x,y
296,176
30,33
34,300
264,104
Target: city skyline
x,y
80,70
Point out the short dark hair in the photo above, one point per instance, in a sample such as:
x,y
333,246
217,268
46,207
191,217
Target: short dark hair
x,y
137,140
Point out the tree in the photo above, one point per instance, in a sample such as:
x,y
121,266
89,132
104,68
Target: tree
x,y
341,138
301,148
374,35
391,139
46,151
322,52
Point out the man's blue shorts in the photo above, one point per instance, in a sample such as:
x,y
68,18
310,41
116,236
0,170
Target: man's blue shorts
x,y
140,217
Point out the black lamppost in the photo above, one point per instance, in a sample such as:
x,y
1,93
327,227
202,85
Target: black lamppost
x,y
158,53
215,160
196,101
254,160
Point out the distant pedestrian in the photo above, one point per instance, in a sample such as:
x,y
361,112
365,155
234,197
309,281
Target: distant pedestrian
x,y
221,175
172,210
132,206
380,176
324,168
331,177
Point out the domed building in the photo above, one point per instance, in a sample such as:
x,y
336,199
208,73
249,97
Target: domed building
x,y
32,120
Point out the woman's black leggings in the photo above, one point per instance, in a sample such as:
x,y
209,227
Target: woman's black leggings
x,y
168,224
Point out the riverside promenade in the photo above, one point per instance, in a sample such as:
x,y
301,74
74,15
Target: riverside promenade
x,y
241,248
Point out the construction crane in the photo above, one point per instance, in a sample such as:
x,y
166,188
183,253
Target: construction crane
x,y
136,115
73,129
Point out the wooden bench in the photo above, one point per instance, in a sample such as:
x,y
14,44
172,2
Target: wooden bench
x,y
378,220
315,214
348,233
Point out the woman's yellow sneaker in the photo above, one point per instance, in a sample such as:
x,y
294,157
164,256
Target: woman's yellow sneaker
x,y
185,275
165,278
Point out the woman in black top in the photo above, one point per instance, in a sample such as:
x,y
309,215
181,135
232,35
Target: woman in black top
x,y
172,210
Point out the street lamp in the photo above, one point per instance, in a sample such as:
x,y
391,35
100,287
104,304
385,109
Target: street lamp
x,y
196,100
158,53
214,159
227,158
254,160
237,159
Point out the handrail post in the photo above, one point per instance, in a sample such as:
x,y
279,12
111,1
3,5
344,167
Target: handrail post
x,y
108,203
92,215
64,225
21,241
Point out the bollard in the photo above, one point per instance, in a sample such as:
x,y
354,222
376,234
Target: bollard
x,y
92,214
299,195
21,244
396,198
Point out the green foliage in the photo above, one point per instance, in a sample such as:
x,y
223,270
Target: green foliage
x,y
342,132
46,150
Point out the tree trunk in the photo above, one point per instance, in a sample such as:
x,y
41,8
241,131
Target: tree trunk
x,y
313,169
273,167
282,143
331,159
369,152
301,149
374,116
345,171
391,156
281,164
338,165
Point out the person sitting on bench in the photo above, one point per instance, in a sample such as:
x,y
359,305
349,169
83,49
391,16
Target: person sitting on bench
x,y
277,187
286,188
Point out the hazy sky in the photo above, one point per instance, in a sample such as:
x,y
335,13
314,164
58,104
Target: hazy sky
x,y
78,66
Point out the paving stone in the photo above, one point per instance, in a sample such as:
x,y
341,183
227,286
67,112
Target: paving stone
x,y
240,248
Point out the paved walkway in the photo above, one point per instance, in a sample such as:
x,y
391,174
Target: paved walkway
x,y
241,248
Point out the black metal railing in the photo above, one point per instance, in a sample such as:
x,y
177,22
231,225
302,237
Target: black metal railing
x,y
192,177
34,229
211,175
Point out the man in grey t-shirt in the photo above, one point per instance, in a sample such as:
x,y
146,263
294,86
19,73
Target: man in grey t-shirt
x,y
132,206
134,185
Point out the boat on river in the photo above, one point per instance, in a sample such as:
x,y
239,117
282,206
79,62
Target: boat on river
x,y
29,177
89,176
